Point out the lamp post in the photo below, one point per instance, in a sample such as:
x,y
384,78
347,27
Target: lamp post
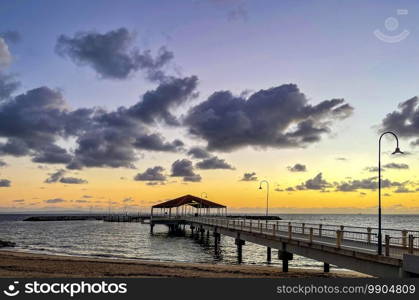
x,y
206,197
396,151
267,195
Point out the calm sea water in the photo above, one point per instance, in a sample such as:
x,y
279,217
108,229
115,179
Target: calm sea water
x,y
133,240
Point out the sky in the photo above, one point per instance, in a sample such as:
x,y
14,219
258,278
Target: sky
x,y
117,106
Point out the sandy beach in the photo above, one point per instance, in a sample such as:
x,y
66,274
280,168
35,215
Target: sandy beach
x,y
24,265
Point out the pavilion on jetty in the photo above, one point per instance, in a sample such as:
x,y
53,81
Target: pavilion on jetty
x,y
188,205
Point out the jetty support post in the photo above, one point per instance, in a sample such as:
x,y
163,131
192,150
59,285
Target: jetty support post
x,y
326,267
151,227
268,254
217,237
285,256
239,243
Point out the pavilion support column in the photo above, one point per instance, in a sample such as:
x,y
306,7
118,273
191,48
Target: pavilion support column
x,y
151,228
192,230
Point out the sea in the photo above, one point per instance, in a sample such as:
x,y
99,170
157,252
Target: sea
x,y
133,240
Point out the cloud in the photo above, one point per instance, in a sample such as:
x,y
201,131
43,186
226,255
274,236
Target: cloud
x,y
403,189
155,142
81,201
156,104
198,152
19,201
112,54
373,169
365,184
213,163
87,196
151,174
342,158
251,176
52,154
128,200
5,183
8,85
56,176
72,180
404,121
55,200
11,36
316,183
5,55
297,168
279,117
290,189
193,178
2,163
184,168
396,166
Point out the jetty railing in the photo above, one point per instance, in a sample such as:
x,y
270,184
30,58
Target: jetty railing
x,y
396,242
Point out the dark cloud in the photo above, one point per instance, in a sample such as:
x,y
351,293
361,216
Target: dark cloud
x,y
72,180
128,200
56,176
396,166
403,189
8,85
55,200
365,184
213,163
193,178
342,158
32,122
290,189
155,105
155,142
112,54
11,36
404,121
184,168
198,152
373,169
316,183
279,117
81,201
5,55
19,201
251,176
5,183
151,174
297,168
2,163
52,154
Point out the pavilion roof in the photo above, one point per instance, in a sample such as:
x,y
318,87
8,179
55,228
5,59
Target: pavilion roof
x,y
189,200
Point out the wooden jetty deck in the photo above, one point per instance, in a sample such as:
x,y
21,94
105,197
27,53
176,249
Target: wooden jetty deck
x,y
350,247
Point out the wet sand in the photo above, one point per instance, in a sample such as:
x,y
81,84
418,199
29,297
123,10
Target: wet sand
x,y
26,265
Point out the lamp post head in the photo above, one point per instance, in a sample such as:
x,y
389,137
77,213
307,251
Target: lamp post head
x,y
260,187
397,151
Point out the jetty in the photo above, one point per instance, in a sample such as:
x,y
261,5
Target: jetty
x,y
349,247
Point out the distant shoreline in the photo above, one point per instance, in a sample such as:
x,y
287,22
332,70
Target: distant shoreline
x,y
28,265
